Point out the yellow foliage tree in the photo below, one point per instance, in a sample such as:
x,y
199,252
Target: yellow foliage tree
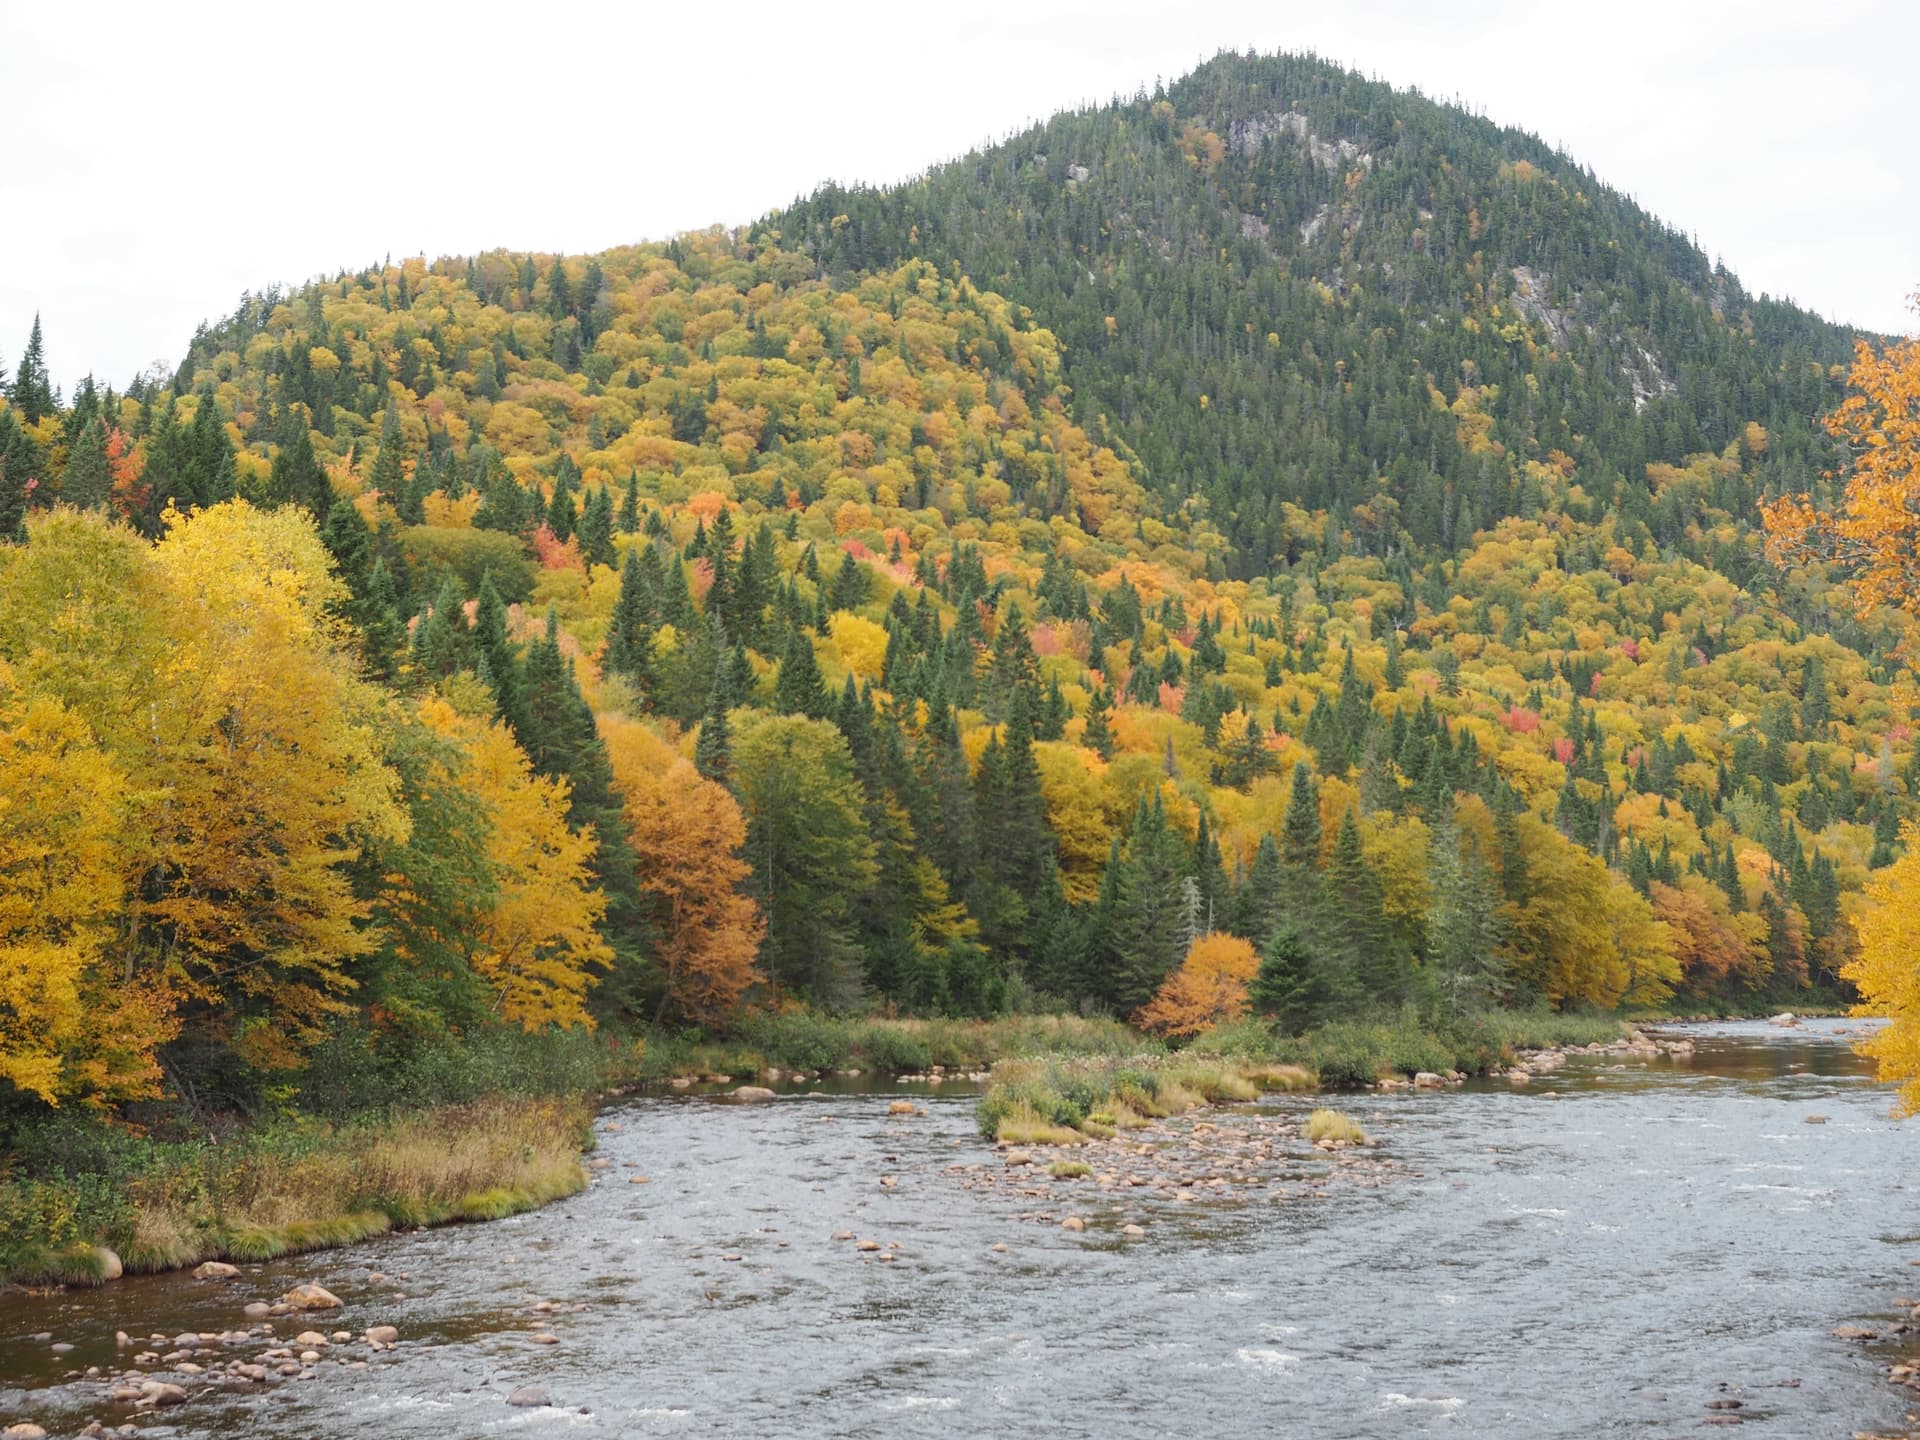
x,y
1209,988
1887,970
537,945
272,777
861,643
60,892
1584,936
686,832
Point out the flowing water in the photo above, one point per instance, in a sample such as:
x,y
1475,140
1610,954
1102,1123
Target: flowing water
x,y
1609,1251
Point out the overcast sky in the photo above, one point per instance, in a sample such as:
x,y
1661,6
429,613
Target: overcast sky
x,y
163,159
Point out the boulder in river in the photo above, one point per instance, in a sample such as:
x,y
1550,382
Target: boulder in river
x,y
110,1266
1816,1119
900,1107
530,1397
25,1430
1853,1332
310,1297
752,1093
383,1335
215,1270
1427,1080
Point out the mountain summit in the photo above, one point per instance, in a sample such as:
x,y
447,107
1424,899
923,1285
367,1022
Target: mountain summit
x,y
1282,283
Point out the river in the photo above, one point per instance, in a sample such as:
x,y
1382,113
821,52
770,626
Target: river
x,y
1610,1251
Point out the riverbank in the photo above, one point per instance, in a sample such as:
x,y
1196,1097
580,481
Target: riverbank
x,y
117,1202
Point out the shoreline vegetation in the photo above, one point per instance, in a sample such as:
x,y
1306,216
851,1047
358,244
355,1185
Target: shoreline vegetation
x,y
498,1129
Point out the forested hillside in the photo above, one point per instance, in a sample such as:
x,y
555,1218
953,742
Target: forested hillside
x,y
1282,284
1280,508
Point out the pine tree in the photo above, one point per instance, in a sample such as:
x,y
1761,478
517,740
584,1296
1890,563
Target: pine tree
x,y
1300,830
389,474
798,689
19,467
1097,735
1286,988
630,632
713,751
212,463
89,478
296,477
596,529
629,518
558,733
1258,905
32,391
1463,955
1145,928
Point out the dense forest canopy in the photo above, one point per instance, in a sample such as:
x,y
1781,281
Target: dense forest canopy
x,y
1279,509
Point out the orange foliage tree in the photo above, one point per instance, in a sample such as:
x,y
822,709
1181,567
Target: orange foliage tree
x,y
686,833
1208,989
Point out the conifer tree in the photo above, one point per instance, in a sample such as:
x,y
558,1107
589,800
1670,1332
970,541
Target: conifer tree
x,y
1097,735
630,633
596,529
32,390
629,517
1148,910
713,751
1286,988
89,477
798,689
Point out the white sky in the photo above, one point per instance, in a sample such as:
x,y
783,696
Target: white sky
x,y
163,159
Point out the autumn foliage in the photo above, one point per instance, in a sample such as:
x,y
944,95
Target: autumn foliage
x,y
1208,989
1872,535
687,833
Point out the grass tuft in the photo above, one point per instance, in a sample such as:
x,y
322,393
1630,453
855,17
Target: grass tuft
x,y
1330,1127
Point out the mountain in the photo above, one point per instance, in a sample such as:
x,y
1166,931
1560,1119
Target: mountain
x,y
1280,283
1281,505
